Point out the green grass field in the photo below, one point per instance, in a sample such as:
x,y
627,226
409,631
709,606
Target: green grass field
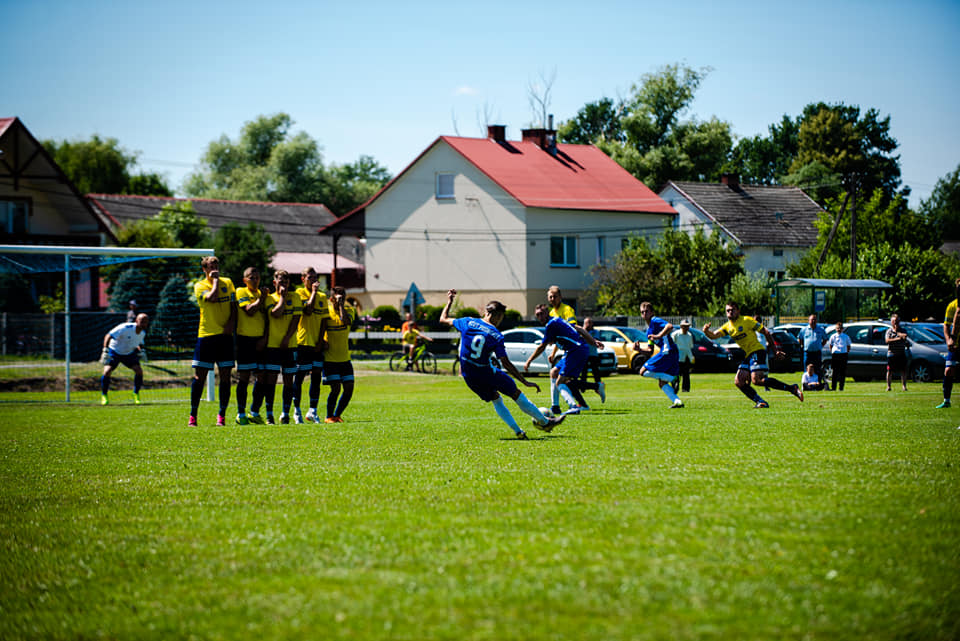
x,y
422,517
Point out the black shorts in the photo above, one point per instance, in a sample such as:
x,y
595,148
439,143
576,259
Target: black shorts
x,y
280,360
214,350
896,362
309,358
337,372
248,358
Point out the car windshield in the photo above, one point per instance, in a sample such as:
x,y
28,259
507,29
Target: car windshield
x,y
633,333
923,335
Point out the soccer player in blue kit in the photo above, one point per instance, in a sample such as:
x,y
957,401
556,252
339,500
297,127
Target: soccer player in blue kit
x,y
479,339
665,364
573,340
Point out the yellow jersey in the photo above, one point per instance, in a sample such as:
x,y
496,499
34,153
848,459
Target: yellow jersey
x,y
338,334
214,315
565,312
308,332
948,317
744,332
292,306
250,325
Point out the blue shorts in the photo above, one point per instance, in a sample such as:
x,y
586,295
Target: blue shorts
x,y
337,372
488,383
280,360
953,357
664,362
248,358
755,362
309,358
131,360
214,350
573,361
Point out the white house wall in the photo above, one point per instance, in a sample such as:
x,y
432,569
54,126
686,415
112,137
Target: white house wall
x,y
587,227
474,241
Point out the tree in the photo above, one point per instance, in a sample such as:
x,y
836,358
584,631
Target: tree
x,y
595,122
184,226
177,315
942,208
101,166
653,142
765,160
239,247
680,274
267,164
133,284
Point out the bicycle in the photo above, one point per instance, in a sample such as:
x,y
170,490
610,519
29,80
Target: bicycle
x,y
424,360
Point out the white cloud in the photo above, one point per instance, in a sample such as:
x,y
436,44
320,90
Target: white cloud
x,y
465,91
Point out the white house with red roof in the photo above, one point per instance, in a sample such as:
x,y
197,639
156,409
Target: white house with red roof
x,y
499,219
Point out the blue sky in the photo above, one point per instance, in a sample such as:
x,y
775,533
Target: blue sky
x,y
386,78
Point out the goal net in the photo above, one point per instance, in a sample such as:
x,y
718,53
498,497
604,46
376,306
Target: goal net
x,y
56,355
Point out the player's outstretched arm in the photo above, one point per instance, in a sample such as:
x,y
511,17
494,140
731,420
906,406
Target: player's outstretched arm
x,y
445,314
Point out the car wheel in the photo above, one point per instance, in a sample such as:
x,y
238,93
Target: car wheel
x,y
637,363
827,370
920,372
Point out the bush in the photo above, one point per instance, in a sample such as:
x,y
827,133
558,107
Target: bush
x,y
134,284
511,318
388,315
464,312
429,314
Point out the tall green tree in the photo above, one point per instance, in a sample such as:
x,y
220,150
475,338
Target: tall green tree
x,y
177,314
596,121
653,141
942,208
101,166
764,160
241,246
679,273
269,164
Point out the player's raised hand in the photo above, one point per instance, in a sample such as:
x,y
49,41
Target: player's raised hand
x,y
451,294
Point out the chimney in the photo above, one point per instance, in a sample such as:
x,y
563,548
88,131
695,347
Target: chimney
x,y
730,180
497,132
545,138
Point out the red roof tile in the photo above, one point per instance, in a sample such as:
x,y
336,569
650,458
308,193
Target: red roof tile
x,y
578,177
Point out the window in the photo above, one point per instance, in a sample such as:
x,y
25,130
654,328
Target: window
x,y
14,216
563,251
778,252
601,248
445,186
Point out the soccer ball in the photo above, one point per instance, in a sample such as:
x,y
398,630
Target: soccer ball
x,y
546,412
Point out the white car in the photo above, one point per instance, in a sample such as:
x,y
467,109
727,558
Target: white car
x,y
523,341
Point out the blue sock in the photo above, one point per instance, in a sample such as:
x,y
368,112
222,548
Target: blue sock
x,y
505,415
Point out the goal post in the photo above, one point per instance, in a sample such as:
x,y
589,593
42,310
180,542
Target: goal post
x,y
34,259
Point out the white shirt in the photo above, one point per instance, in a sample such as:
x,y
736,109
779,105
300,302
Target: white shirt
x,y
839,343
124,338
684,345
809,378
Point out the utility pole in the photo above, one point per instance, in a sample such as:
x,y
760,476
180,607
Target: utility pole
x,y
833,233
853,227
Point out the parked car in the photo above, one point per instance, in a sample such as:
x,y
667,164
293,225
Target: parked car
x,y
523,341
783,341
929,334
620,340
708,356
868,353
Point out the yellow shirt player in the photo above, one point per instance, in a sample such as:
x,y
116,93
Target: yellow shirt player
x,y
753,368
559,309
251,339
217,300
337,368
309,352
950,327
283,315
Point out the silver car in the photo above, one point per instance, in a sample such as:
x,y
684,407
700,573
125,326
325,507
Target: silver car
x,y
523,341
868,353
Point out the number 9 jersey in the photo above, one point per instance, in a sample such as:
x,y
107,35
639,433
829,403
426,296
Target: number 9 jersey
x,y
478,339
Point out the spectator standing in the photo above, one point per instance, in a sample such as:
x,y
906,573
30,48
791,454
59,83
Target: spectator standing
x,y
132,311
812,338
683,338
897,347
839,345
